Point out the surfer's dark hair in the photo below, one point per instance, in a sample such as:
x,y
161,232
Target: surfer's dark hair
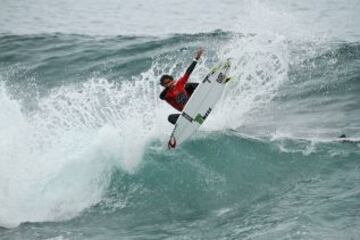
x,y
164,77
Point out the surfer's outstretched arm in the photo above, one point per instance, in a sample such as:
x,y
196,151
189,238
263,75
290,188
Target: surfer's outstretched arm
x,y
196,59
191,68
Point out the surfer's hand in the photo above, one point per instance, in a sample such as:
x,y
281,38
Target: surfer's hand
x,y
199,53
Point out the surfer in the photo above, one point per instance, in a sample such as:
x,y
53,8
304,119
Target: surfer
x,y
178,92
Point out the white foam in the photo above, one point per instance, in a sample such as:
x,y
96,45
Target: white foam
x,y
56,161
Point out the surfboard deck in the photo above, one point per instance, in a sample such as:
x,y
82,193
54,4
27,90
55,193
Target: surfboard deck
x,y
201,103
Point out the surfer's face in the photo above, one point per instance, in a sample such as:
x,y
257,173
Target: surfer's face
x,y
168,82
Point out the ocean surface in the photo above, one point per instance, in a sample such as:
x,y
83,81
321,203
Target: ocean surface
x,y
83,133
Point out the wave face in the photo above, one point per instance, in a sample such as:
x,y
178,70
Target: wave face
x,y
83,132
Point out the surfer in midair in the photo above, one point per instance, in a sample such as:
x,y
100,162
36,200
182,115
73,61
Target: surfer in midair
x,y
178,92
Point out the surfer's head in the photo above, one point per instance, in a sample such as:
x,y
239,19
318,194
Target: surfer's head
x,y
166,80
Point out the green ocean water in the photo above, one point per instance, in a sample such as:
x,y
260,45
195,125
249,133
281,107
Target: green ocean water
x,y
83,132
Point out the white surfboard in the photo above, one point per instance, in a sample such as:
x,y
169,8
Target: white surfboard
x,y
201,103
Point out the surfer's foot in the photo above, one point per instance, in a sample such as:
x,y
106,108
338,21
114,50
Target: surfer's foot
x,y
172,118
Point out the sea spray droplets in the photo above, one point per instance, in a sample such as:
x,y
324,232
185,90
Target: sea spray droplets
x,y
65,149
97,103
69,143
259,67
46,175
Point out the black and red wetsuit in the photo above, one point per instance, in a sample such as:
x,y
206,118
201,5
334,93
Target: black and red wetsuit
x,y
178,94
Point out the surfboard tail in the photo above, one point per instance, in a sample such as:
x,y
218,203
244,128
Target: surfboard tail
x,y
172,142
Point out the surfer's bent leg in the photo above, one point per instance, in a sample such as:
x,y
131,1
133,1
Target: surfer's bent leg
x,y
172,118
190,87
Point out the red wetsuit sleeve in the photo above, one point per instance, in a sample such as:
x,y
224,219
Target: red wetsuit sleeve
x,y
183,80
